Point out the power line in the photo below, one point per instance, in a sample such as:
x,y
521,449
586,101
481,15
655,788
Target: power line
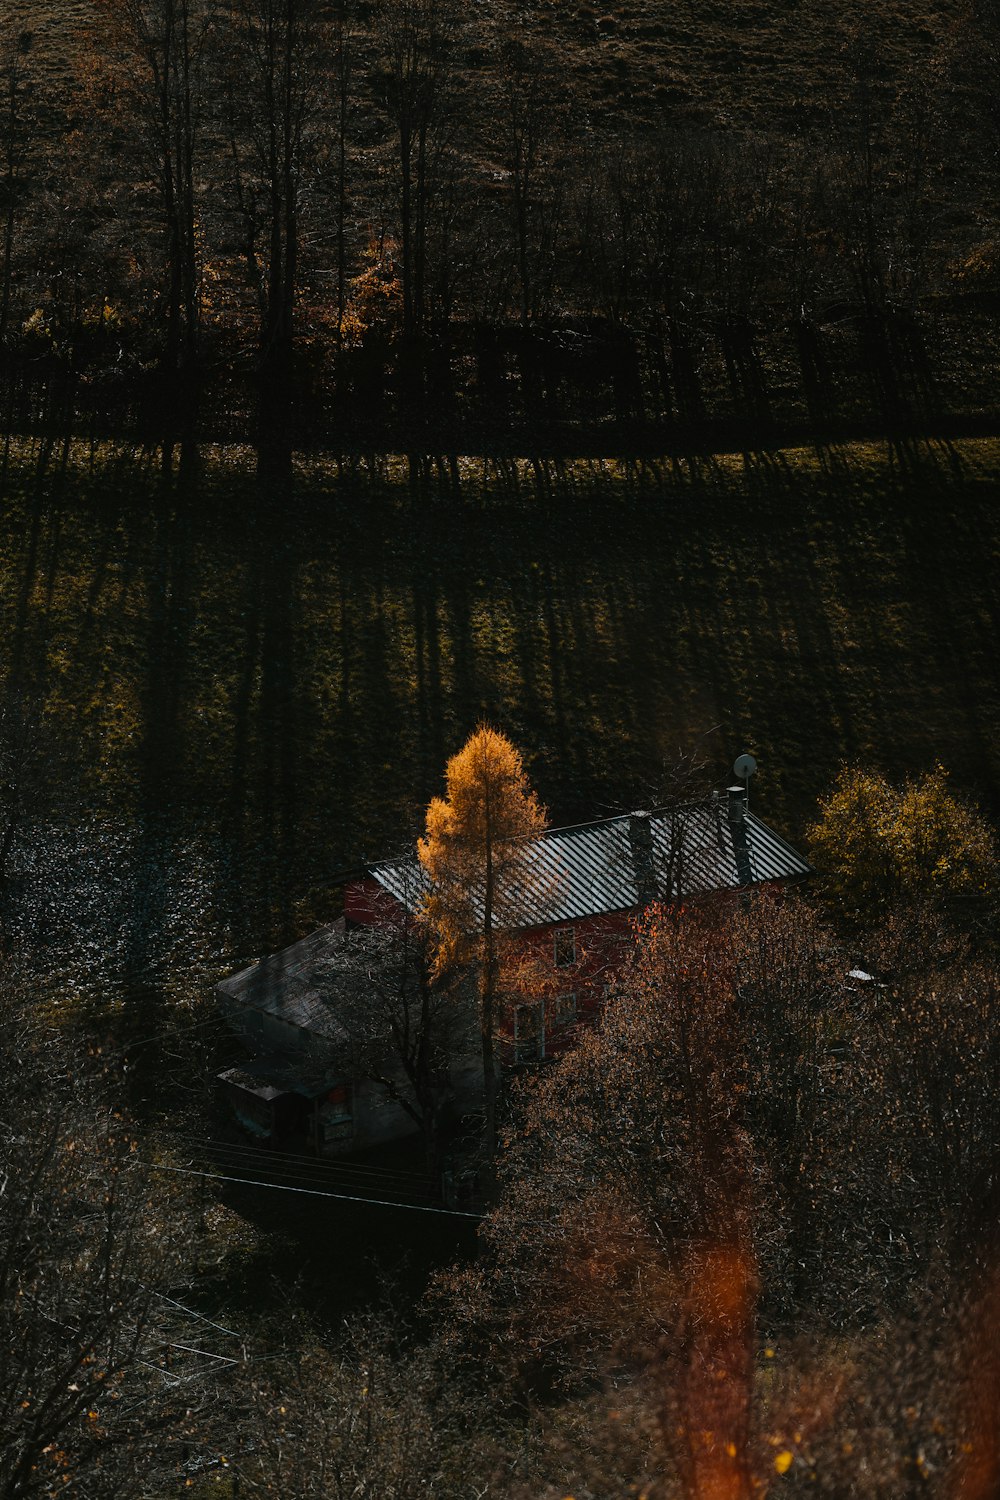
x,y
307,1177
315,1175
421,1208
293,1160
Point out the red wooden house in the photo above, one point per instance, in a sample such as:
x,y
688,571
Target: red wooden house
x,y
580,890
583,886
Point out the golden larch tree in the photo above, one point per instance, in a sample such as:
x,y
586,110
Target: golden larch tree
x,y
475,853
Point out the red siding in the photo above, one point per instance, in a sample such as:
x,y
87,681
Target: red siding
x,y
368,904
602,945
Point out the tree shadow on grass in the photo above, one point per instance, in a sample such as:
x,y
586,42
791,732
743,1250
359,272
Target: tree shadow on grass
x,y
293,677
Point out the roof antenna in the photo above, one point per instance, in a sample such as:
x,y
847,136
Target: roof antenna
x,y
744,766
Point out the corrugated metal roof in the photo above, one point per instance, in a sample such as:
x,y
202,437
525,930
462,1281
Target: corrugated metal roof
x,y
616,864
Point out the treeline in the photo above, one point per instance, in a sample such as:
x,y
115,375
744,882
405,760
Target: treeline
x,y
296,222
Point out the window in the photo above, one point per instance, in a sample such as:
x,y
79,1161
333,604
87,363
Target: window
x,y
529,1032
562,1010
564,947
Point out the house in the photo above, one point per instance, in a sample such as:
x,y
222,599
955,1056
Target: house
x,y
582,888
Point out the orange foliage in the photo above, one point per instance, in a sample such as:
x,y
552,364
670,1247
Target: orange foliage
x,y
473,851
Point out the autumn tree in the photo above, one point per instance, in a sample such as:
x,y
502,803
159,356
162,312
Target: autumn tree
x,y
624,1232
474,854
740,1107
790,999
877,843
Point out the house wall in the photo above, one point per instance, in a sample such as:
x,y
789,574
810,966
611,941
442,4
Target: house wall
x,y
262,1030
377,1119
567,991
368,904
600,945
559,996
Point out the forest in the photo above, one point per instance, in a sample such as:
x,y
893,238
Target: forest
x,y
438,228
621,377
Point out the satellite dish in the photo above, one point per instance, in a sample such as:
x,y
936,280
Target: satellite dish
x,y
744,766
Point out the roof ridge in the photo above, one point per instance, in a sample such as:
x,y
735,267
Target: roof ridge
x,y
709,802
651,812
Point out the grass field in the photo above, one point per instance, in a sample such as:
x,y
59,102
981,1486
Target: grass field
x,y
251,705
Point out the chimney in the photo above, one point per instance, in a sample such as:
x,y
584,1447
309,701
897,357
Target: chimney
x,y
738,832
640,838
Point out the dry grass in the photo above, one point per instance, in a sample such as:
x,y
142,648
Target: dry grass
x,y
311,671
56,31
765,63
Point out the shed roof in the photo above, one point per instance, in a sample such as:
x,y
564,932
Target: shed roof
x,y
270,1076
619,863
284,985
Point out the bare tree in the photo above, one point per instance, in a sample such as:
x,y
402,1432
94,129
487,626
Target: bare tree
x,y
406,1027
374,1414
276,60
16,137
522,131
151,59
26,770
99,1389
413,79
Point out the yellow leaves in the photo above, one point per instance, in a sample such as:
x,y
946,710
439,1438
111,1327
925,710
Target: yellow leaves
x,y
876,841
376,300
782,1462
37,325
474,838
979,269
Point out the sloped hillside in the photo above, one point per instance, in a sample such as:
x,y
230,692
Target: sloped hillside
x,y
767,63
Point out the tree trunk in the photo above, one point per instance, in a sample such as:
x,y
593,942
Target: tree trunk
x,y
487,1007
